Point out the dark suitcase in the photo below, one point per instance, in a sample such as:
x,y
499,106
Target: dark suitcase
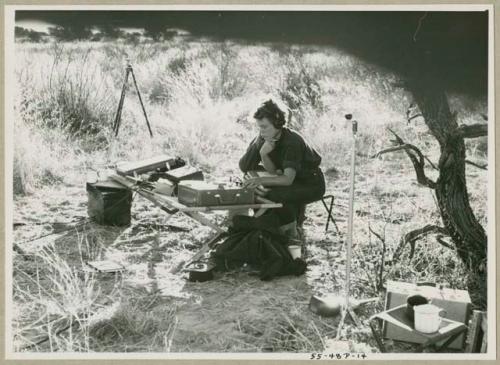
x,y
183,173
203,194
109,203
154,164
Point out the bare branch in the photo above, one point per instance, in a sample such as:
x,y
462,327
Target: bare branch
x,y
418,26
444,243
414,116
471,131
18,249
413,236
387,150
382,264
416,157
399,140
376,234
483,167
415,149
405,147
411,113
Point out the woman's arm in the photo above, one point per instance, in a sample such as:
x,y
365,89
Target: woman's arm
x,y
250,160
286,179
266,148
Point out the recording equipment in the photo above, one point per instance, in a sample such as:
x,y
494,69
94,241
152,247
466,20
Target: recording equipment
x,y
203,194
157,164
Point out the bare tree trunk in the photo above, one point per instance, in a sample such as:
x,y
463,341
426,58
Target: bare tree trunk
x,y
459,220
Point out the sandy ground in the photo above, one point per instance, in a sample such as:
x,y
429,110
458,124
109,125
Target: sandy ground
x,y
147,308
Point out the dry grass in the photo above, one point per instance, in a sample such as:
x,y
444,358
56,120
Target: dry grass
x,y
199,98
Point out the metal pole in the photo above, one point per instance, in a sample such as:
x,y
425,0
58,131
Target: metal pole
x,y
347,309
351,214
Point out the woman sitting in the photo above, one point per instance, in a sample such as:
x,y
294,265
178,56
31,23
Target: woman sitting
x,y
298,179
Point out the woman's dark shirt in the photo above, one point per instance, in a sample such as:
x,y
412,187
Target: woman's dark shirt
x,y
291,150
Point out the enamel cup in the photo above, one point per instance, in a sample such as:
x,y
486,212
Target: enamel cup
x,y
427,318
295,251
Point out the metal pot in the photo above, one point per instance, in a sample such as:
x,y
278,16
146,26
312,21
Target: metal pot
x,y
413,301
331,305
200,272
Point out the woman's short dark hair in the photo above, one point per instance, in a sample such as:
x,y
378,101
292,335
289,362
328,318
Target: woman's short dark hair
x,y
270,110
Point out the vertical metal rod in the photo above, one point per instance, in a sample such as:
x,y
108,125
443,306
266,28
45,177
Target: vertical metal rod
x,y
350,219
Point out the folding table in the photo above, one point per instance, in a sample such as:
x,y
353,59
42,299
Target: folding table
x,y
448,330
171,205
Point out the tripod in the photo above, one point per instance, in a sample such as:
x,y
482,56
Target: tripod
x,y
118,117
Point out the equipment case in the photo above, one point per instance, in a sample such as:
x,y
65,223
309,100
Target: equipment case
x,y
109,203
157,164
183,173
203,194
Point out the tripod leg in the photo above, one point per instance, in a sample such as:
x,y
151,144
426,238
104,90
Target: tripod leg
x,y
328,217
116,125
354,317
142,105
377,336
329,210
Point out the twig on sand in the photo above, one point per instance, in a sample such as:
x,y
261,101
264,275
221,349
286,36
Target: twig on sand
x,y
296,330
329,326
70,325
323,345
169,334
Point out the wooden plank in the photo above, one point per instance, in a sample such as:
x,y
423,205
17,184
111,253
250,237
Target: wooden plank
x,y
172,202
484,328
183,208
207,246
473,332
205,221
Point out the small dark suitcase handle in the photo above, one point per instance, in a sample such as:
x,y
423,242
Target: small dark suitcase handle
x,y
222,201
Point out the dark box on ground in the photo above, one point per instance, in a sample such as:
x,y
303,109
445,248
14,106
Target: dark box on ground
x,y
109,203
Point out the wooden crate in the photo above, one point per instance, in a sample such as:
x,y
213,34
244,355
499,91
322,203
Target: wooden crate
x,y
477,335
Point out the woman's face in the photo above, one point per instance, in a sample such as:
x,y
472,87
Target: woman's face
x,y
266,128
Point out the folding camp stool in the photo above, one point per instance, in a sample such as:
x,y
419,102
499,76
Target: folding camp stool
x,y
328,207
329,218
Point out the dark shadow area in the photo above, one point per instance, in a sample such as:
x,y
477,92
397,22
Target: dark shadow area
x,y
456,43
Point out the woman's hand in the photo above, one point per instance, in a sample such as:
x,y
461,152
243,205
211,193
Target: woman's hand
x,y
261,191
251,182
255,183
267,147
